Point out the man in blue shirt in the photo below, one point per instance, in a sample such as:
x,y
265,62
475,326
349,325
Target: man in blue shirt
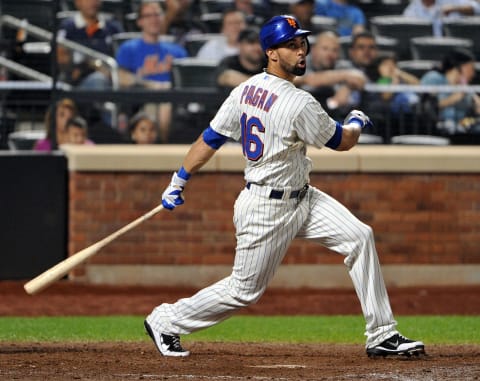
x,y
147,61
350,19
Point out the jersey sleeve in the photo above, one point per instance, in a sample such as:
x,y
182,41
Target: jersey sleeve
x,y
227,120
313,125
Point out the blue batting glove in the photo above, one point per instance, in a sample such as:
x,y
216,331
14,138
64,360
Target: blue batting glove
x,y
173,195
358,117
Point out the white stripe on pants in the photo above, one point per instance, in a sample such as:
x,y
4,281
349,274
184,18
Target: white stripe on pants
x,y
264,230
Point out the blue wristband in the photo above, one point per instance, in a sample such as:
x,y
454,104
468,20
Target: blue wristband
x,y
183,174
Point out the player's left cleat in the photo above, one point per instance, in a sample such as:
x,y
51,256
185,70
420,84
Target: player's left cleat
x,y
397,345
167,345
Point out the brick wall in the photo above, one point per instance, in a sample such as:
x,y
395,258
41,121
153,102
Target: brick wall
x,y
417,218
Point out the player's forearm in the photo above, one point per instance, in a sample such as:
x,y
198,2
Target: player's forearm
x,y
350,135
198,155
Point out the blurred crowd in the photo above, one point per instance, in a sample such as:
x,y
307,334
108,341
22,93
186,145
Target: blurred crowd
x,y
147,38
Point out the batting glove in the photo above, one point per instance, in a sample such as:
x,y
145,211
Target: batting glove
x,y
359,118
173,195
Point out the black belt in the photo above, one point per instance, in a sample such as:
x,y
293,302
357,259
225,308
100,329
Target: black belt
x,y
278,194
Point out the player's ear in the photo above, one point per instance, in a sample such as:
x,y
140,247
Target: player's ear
x,y
272,54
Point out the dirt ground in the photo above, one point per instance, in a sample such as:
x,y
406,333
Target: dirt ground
x,y
223,361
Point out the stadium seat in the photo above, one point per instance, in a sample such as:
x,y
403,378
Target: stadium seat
x,y
429,140
417,67
214,6
7,126
193,72
370,139
465,27
322,23
435,48
37,12
190,118
401,28
385,44
372,8
67,14
212,21
280,7
24,140
194,42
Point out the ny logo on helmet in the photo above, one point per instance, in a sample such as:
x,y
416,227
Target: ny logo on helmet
x,y
292,22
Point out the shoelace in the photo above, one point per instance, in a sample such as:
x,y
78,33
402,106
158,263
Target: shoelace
x,y
176,343
402,338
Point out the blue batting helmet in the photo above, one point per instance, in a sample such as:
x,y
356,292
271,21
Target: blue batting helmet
x,y
281,29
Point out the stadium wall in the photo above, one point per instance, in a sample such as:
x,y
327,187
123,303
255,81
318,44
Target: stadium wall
x,y
422,202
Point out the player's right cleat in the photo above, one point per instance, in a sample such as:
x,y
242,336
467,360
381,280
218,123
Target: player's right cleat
x,y
397,345
167,345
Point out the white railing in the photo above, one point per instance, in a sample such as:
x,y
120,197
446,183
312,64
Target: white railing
x,y
45,35
38,81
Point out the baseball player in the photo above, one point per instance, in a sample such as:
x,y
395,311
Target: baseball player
x,y
275,121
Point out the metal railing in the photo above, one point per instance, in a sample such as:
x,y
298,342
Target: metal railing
x,y
45,35
44,81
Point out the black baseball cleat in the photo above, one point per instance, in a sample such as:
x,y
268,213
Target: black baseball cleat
x,y
167,345
397,345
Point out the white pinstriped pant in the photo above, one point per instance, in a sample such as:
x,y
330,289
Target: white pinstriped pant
x,y
264,230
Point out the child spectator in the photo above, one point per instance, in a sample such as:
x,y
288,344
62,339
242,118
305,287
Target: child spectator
x,y
143,129
384,70
77,131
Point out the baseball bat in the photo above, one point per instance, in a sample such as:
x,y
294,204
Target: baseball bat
x,y
56,272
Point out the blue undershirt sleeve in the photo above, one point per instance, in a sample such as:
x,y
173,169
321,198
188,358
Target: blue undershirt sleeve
x,y
336,139
213,138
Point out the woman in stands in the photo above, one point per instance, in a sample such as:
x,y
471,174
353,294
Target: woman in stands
x,y
64,110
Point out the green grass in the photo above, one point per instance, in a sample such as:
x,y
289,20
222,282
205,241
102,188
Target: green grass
x,y
297,329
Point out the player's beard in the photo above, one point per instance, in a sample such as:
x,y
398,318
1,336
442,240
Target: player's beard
x,y
298,71
293,69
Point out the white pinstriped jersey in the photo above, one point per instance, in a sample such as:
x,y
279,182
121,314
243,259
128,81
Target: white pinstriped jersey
x,y
274,121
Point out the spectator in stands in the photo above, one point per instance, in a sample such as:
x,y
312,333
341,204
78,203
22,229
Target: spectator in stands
x,y
304,10
143,129
147,62
325,78
363,50
77,131
233,22
438,11
181,20
250,60
64,110
457,68
89,28
350,18
384,70
255,12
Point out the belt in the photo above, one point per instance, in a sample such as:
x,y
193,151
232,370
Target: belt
x,y
278,194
